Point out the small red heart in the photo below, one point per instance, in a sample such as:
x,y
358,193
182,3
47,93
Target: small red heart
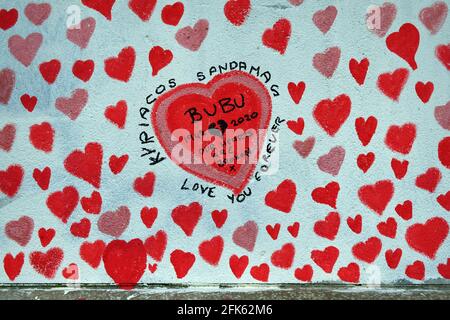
x,y
187,217
238,265
444,269
400,168
219,217
350,273
125,262
92,204
377,196
171,14
148,216
392,84
326,258
83,70
236,11
63,203
81,229
92,253
329,227
365,161
50,70
444,200
283,197
102,6
304,274
159,58
405,43
156,245
296,91
388,228
144,185
355,224
8,18
42,177
46,236
416,270
404,210
332,114
366,129
367,251
284,257
28,102
152,267
359,69
47,263
261,272
429,180
116,164
121,67
273,231
42,136
182,262
13,265
86,165
393,257
142,8
424,90
443,54
444,152
296,126
117,114
11,180
278,36
294,229
427,238
211,250
327,195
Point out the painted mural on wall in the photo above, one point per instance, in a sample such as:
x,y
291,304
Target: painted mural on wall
x,y
151,141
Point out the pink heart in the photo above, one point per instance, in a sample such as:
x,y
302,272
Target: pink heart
x,y
304,148
324,19
7,135
332,161
37,13
442,115
20,231
114,223
388,12
73,106
24,50
81,36
434,17
327,62
7,82
192,38
245,236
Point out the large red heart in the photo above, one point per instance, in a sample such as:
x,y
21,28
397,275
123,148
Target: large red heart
x,y
233,100
443,54
327,195
102,6
284,257
42,136
391,84
283,197
401,138
187,217
367,251
377,196
92,253
47,263
278,36
159,58
13,265
365,128
429,180
329,227
428,237
125,262
86,165
182,262
142,8
156,245
171,14
63,203
331,114
349,273
444,152
238,265
50,70
236,11
405,43
8,18
326,258
121,67
11,179
211,250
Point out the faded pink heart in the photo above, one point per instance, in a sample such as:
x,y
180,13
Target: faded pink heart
x,y
20,230
37,13
7,135
304,148
388,12
327,62
7,82
245,236
433,17
24,50
73,106
192,38
442,115
114,223
81,36
332,161
324,19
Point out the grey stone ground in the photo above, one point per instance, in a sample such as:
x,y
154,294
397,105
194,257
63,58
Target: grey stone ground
x,y
252,292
